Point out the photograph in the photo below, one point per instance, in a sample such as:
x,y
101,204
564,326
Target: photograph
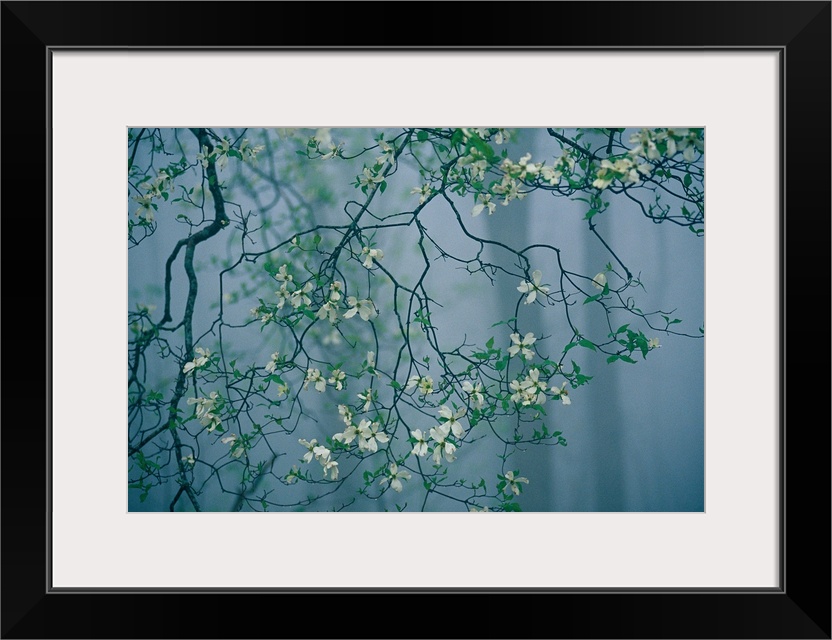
x,y
460,319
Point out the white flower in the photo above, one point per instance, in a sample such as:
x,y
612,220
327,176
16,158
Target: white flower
x,y
473,509
282,275
299,296
421,447
189,459
332,467
372,254
237,448
204,156
337,378
365,308
310,449
512,482
653,343
550,175
484,201
599,281
562,393
314,376
199,361
334,151
346,414
335,290
204,405
272,364
424,192
533,288
522,346
367,397
474,392
388,153
530,390
439,435
293,474
282,390
395,478
423,383
369,436
370,180
371,359
347,435
329,310
452,420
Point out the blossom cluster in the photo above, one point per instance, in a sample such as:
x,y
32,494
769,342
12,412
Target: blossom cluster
x,y
315,451
158,187
205,410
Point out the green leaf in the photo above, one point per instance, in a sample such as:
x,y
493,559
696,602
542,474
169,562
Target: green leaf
x,y
627,359
593,298
490,343
687,180
571,345
586,344
395,384
422,136
383,186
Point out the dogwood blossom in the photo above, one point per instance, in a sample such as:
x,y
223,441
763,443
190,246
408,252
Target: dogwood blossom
x,y
283,275
237,447
439,435
369,436
346,413
653,343
599,281
272,364
328,311
452,420
366,309
369,179
562,392
512,482
388,152
522,346
423,192
533,288
483,202
189,459
474,392
395,477
199,361
314,376
420,448
423,383
283,296
367,397
332,467
335,288
337,378
372,254
299,296
204,405
530,390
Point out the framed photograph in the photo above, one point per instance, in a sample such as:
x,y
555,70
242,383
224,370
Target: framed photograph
x,y
376,285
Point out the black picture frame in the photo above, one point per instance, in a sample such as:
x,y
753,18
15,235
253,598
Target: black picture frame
x,y
798,608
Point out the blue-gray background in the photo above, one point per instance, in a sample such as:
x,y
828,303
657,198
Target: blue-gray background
x,y
635,433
